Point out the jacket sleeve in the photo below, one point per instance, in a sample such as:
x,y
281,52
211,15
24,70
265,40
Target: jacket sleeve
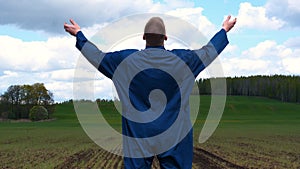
x,y
106,63
215,46
89,50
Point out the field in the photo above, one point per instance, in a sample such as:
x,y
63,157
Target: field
x,y
253,133
257,133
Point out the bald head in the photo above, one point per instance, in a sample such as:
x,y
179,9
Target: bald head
x,y
155,25
155,32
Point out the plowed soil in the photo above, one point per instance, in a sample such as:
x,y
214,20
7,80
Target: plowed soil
x,y
99,158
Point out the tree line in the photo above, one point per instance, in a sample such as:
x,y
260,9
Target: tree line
x,y
17,101
279,87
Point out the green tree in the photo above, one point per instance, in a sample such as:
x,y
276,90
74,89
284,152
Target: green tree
x,y
38,113
12,95
40,95
22,98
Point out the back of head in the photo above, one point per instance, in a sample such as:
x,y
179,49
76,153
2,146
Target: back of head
x,y
156,26
155,32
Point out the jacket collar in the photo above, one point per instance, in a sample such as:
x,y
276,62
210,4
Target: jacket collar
x,y
157,47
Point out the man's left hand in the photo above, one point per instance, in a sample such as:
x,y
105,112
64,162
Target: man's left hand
x,y
73,28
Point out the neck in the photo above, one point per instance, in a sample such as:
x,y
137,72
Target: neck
x,y
154,45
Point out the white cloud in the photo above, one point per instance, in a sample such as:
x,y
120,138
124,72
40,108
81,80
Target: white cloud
x,y
62,91
52,62
244,66
266,58
291,64
60,82
294,5
267,49
10,73
230,50
256,18
195,17
55,53
173,4
49,16
62,75
287,10
293,42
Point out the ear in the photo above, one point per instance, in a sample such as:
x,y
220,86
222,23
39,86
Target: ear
x,y
144,37
166,38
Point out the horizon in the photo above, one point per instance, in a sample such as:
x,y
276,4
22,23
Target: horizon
x,y
114,98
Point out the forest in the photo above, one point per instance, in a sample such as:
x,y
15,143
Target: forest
x,y
279,87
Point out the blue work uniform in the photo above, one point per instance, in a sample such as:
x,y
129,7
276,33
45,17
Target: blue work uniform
x,y
140,87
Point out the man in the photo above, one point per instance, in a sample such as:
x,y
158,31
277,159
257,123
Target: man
x,y
137,75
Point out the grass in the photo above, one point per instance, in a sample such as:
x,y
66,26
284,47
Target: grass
x,y
42,144
256,132
253,132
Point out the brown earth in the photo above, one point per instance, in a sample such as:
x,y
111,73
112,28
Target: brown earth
x,y
99,158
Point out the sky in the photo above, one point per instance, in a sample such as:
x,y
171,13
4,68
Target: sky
x,y
34,48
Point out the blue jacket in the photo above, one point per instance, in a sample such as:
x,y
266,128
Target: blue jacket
x,y
146,114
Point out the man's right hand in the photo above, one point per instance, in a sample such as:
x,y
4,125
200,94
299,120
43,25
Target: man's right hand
x,y
73,28
229,24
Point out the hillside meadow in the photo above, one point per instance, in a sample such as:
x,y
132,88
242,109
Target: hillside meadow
x,y
253,133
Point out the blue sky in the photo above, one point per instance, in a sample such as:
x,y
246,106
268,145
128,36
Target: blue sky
x,y
35,48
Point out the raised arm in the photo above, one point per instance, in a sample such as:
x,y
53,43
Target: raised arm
x,y
217,44
88,49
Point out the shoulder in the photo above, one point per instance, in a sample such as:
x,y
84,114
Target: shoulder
x,y
183,53
123,53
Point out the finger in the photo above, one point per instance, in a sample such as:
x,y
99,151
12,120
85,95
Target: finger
x,y
228,17
73,22
66,26
235,20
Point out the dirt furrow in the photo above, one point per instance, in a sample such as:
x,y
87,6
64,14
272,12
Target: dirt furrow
x,y
206,160
98,158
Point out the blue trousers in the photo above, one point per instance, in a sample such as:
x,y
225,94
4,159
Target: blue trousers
x,y
178,157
